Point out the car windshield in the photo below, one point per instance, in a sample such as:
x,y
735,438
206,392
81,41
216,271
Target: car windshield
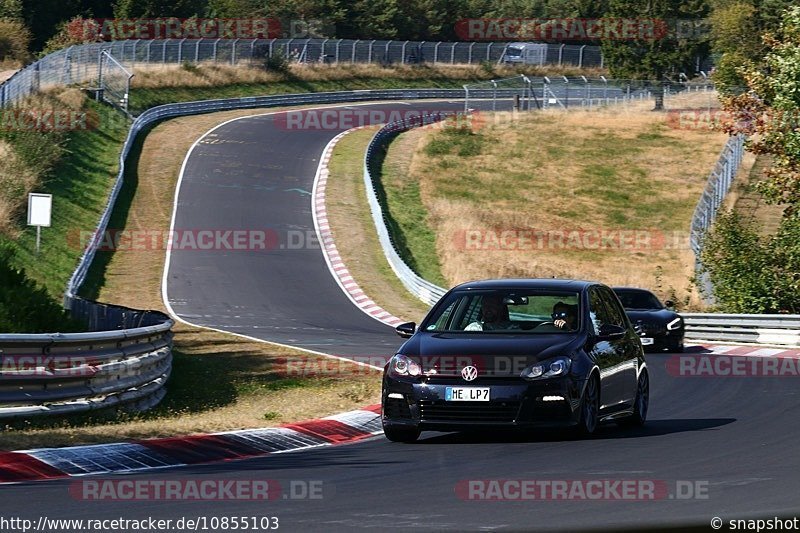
x,y
514,52
639,300
503,311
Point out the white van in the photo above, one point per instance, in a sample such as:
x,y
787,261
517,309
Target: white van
x,y
526,53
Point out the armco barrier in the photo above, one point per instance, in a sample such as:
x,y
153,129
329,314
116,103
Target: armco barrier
x,y
779,330
125,361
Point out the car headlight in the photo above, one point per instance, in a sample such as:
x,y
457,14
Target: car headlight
x,y
400,365
550,368
675,324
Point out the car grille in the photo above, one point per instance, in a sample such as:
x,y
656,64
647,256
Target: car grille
x,y
652,328
468,411
396,408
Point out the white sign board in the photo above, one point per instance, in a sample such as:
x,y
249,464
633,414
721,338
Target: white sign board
x,y
39,209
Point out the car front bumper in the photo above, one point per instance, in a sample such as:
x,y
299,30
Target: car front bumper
x,y
513,403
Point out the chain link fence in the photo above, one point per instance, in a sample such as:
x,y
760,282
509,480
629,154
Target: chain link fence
x,y
82,64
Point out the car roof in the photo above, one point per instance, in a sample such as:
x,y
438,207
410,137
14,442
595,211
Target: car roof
x,y
527,283
631,289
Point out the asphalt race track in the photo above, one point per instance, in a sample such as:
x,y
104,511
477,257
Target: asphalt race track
x,y
737,437
257,174
730,441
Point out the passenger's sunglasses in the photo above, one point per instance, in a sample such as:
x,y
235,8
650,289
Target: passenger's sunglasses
x,y
560,314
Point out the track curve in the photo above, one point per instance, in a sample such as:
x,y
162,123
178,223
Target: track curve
x,y
735,436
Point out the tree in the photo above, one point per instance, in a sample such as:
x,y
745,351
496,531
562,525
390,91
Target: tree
x,y
770,111
751,273
11,9
14,40
668,52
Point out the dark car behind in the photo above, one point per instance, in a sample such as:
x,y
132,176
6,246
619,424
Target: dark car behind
x,y
659,327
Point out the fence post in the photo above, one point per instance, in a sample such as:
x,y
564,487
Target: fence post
x,y
436,52
180,50
489,52
453,54
386,52
580,56
560,53
566,90
216,48
67,68
466,99
403,52
469,60
369,56
233,51
494,95
353,55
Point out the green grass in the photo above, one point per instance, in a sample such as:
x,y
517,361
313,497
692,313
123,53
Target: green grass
x,y
405,213
80,185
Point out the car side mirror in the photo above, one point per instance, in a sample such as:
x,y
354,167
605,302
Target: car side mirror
x,y
406,329
669,303
611,332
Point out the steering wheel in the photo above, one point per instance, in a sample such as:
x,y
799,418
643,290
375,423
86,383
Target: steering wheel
x,y
543,323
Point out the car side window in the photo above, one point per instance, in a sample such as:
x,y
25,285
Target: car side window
x,y
470,314
442,322
598,311
615,311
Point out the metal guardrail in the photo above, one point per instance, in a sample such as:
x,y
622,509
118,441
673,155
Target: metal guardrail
x,y
123,362
422,289
779,330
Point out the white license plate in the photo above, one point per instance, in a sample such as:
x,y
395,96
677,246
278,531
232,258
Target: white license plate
x,y
646,341
467,394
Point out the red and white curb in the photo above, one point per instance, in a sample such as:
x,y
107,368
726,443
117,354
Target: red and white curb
x,y
54,463
332,257
743,351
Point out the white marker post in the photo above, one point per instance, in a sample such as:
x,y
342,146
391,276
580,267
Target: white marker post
x,y
40,206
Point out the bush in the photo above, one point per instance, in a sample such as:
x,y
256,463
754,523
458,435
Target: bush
x,y
26,307
14,40
277,62
751,273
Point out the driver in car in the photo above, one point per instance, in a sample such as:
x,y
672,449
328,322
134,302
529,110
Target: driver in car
x,y
494,315
564,316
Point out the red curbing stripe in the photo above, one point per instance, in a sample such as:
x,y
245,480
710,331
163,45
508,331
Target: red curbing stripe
x,y
196,449
20,466
330,430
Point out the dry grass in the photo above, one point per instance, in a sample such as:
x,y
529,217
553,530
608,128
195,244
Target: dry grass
x,y
6,72
214,75
248,388
555,171
354,230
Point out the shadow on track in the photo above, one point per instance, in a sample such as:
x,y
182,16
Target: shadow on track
x,y
653,428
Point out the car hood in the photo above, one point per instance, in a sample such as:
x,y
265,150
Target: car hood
x,y
651,315
496,353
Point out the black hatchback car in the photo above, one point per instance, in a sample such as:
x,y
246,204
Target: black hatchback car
x,y
524,353
659,327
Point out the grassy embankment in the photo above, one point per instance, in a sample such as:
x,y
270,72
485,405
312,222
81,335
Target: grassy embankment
x,y
577,172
